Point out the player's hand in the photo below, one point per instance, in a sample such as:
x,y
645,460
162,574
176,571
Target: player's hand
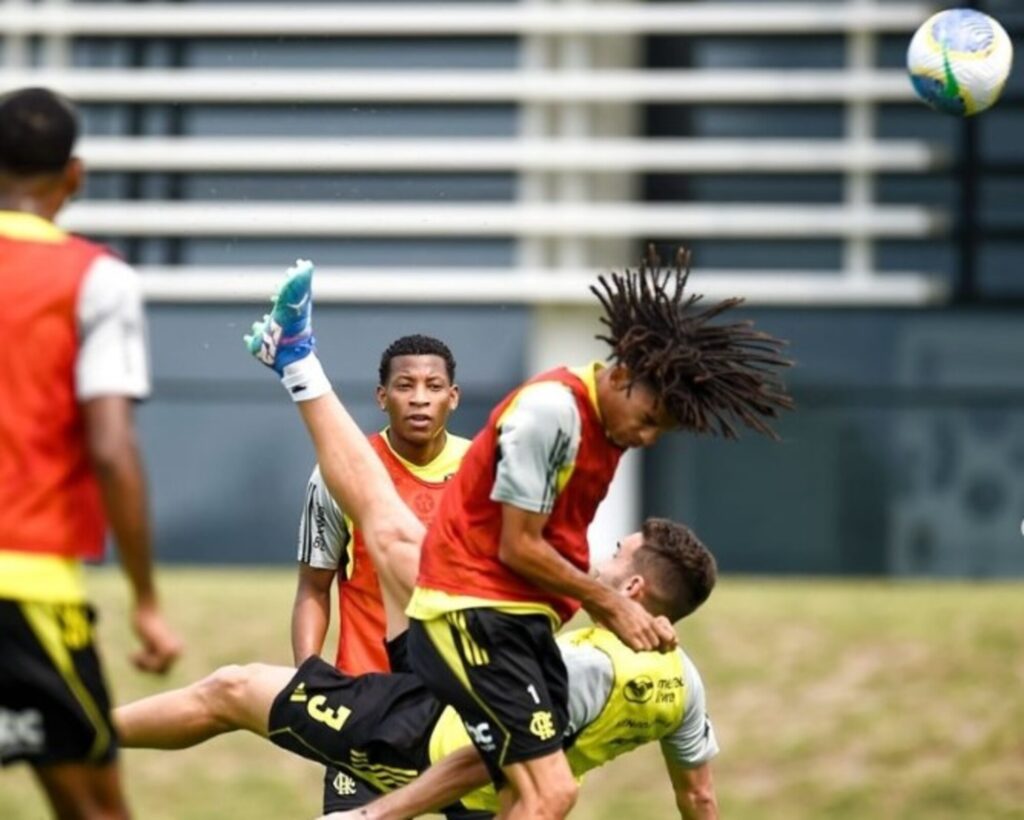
x,y
635,626
160,644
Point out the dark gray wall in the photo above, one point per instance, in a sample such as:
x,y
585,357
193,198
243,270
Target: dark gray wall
x,y
227,456
905,455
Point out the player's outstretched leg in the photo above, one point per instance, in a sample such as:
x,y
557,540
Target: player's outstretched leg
x,y
283,340
233,697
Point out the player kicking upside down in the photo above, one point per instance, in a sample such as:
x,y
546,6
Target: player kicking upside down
x,y
385,729
506,560
724,371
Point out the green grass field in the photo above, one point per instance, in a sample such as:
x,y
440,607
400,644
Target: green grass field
x,y
831,700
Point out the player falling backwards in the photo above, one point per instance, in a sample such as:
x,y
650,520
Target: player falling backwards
x,y
505,559
384,729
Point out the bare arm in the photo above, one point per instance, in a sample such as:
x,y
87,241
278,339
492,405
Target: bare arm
x,y
311,613
524,550
695,791
441,785
113,447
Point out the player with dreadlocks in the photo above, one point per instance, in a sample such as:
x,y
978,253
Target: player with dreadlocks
x,y
506,560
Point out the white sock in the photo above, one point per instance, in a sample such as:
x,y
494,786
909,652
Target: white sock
x,y
305,379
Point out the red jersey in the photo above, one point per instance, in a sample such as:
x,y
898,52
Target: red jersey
x,y
460,553
50,500
362,626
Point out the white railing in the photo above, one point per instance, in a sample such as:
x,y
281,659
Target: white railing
x,y
498,286
196,154
562,156
488,219
477,86
323,20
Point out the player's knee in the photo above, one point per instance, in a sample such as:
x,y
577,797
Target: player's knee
x,y
560,797
224,689
550,797
391,534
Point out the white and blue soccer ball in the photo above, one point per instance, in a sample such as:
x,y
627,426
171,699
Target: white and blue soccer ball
x,y
959,60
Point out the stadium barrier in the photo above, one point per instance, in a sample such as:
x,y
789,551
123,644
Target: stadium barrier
x,y
564,80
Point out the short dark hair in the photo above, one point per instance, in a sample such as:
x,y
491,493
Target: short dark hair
x,y
38,129
707,376
416,345
679,572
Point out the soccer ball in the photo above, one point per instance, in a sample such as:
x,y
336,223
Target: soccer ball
x,y
959,60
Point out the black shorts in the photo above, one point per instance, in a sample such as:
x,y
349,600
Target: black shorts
x,y
54,706
371,731
503,674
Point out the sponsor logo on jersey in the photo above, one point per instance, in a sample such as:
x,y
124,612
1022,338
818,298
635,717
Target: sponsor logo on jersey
x,y
638,690
320,522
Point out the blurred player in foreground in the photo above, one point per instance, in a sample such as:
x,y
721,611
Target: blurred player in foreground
x,y
417,391
386,729
69,464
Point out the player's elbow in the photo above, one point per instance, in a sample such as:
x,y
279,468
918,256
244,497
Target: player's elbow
x,y
108,449
514,553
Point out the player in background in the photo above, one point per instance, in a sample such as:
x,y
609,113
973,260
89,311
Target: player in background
x,y
506,558
69,466
417,391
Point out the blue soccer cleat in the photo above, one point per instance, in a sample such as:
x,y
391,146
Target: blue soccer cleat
x,y
285,335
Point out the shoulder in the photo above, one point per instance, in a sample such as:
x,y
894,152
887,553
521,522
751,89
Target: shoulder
x,y
113,272
108,281
544,402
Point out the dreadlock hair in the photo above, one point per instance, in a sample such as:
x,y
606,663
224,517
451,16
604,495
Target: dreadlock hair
x,y
416,345
38,129
679,572
706,375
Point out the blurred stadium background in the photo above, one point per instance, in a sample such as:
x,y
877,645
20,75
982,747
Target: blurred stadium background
x,y
465,168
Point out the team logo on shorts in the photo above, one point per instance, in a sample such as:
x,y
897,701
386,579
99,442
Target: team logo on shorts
x,y
344,785
542,725
638,690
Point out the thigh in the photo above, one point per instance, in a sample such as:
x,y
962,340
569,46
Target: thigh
x,y
54,703
504,676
